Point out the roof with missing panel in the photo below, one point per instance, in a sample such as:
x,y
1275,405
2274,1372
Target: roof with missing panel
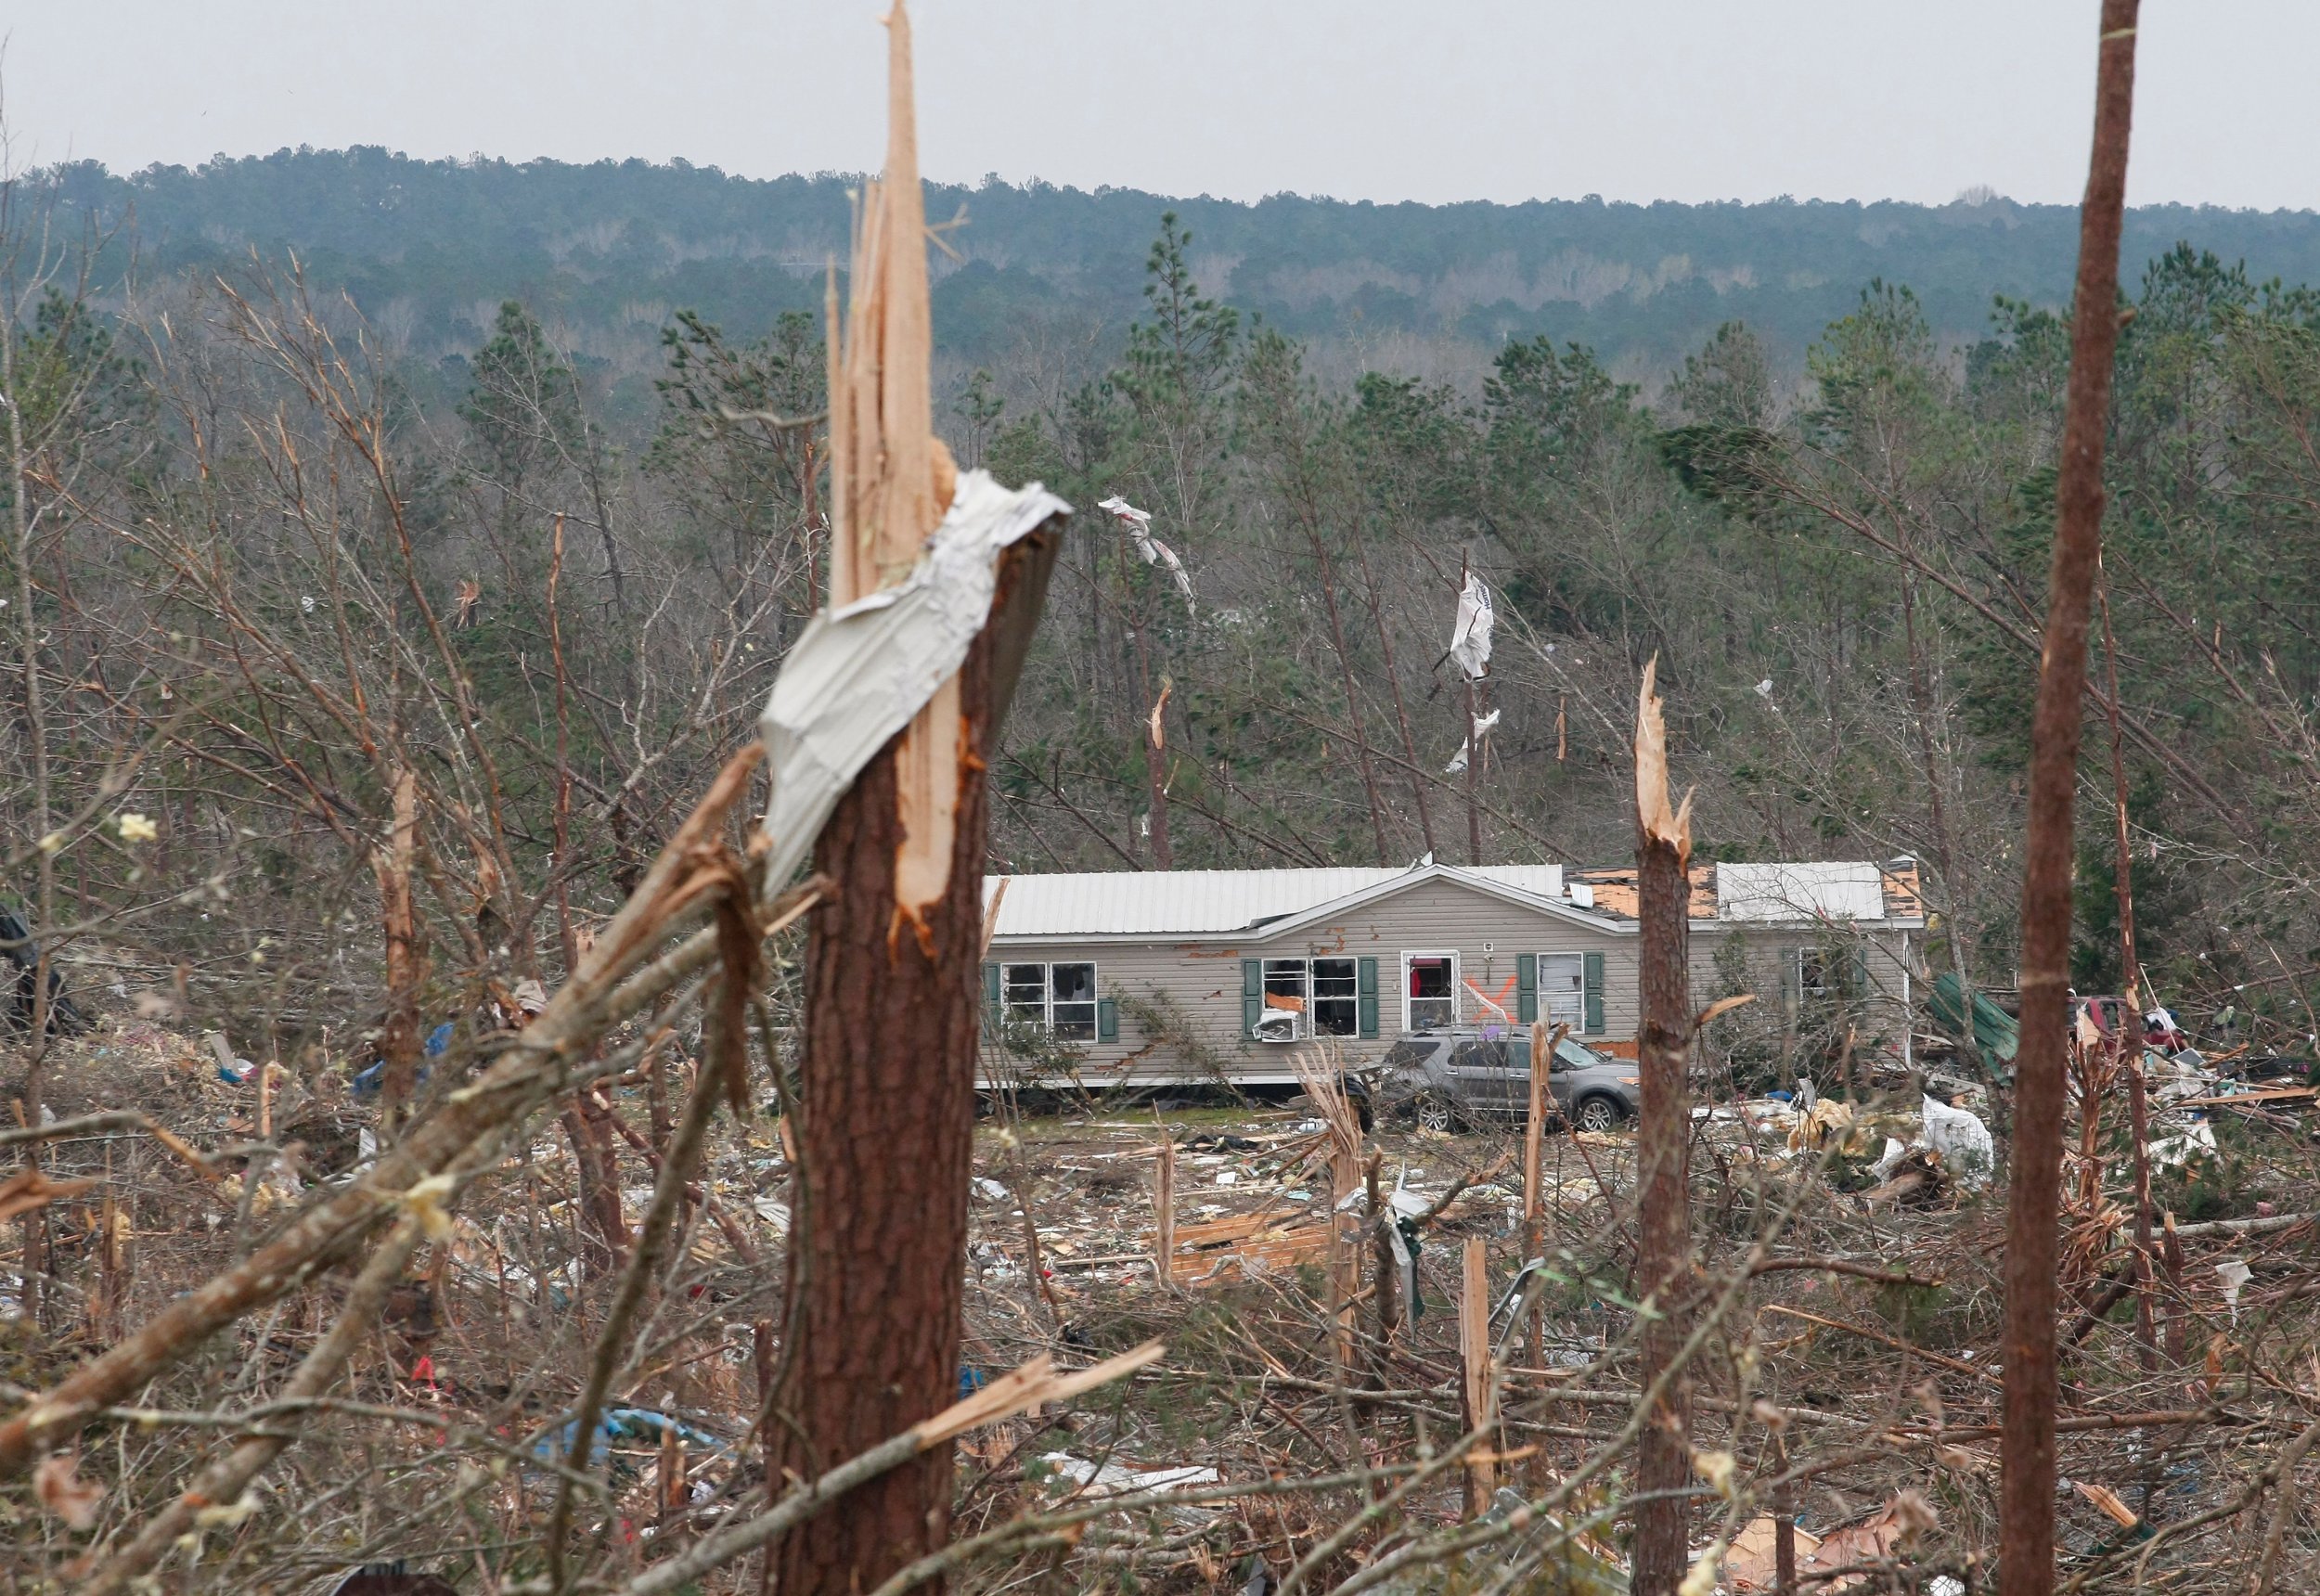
x,y
1208,903
1232,903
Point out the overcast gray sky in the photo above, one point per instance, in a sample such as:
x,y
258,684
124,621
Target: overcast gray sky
x,y
1379,99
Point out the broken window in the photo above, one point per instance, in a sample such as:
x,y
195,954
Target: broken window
x,y
1336,998
1326,991
1055,997
1563,990
1430,985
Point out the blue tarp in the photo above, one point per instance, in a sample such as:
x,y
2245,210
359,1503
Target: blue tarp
x,y
636,1427
367,1083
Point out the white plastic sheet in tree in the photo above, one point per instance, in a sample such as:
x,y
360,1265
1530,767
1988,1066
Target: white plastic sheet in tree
x,y
1137,524
859,674
1482,725
1470,635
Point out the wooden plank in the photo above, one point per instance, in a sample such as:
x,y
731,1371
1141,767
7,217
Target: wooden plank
x,y
1481,1392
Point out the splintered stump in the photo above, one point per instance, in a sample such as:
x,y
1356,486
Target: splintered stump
x,y
885,1149
1663,847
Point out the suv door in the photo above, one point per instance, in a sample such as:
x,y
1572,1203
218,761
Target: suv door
x,y
1481,1076
1561,1078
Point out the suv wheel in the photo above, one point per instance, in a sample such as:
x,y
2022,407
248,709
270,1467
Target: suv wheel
x,y
1434,1113
1598,1113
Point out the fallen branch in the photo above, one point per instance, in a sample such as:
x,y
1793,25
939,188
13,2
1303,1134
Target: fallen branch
x,y
1033,1383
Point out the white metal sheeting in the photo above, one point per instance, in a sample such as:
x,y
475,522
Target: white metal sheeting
x,y
858,674
1205,903
1800,892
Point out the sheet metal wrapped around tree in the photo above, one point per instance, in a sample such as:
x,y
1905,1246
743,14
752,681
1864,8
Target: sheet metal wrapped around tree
x,y
861,673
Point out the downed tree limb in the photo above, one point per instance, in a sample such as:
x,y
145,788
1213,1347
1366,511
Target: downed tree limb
x,y
1843,1267
816,750
1959,1365
1018,1391
534,1068
223,1484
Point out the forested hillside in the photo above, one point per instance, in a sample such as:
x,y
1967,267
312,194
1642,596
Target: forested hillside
x,y
606,252
1837,568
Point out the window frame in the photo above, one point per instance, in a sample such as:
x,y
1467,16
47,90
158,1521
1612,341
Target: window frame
x,y
1408,954
1350,999
1303,970
1093,1002
1824,988
1579,997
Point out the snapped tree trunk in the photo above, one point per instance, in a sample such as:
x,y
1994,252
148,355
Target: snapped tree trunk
x,y
886,1115
885,1147
399,1037
1663,855
2130,1042
1473,775
2025,1515
1153,734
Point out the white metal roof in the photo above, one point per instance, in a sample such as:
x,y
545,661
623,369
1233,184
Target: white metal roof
x,y
1799,891
1205,903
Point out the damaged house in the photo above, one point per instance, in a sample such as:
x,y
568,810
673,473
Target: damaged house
x,y
1163,977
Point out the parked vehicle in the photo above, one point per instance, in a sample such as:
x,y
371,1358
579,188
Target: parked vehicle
x,y
2158,1027
1445,1079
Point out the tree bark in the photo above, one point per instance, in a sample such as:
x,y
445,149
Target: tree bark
x,y
598,1171
2129,1043
399,1037
1663,851
1401,710
1152,736
2026,1519
1353,695
885,1143
1473,773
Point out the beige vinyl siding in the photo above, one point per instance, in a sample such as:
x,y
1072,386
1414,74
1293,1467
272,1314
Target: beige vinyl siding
x,y
1201,981
1770,948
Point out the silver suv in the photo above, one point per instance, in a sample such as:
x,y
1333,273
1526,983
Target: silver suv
x,y
1443,1079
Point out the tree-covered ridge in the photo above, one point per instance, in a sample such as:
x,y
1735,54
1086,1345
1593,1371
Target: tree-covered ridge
x,y
611,250
1837,560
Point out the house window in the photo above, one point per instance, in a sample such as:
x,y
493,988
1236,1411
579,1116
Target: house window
x,y
1336,998
1814,976
1056,997
1563,990
1326,991
1430,991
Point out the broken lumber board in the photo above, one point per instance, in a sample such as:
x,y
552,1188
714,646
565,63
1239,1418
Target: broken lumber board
x,y
1276,1251
2244,1100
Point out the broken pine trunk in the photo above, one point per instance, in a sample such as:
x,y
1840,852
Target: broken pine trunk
x,y
1663,850
887,1121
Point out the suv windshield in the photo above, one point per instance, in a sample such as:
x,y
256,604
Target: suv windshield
x,y
1570,1055
1473,1052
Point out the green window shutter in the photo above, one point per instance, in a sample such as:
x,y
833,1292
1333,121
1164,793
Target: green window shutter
x,y
1527,987
1365,989
1859,971
1590,966
991,991
1107,1020
1252,994
1791,979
